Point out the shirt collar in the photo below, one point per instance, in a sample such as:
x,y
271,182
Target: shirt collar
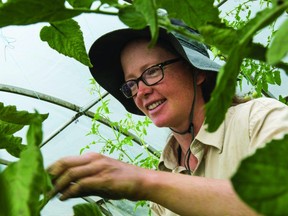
x,y
169,157
215,138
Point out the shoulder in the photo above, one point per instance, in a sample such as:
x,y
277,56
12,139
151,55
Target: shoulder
x,y
266,103
263,102
260,107
265,118
261,114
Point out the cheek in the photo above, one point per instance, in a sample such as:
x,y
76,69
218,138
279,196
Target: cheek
x,y
180,83
138,103
181,90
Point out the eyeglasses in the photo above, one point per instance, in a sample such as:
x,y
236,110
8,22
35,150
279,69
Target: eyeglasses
x,y
151,76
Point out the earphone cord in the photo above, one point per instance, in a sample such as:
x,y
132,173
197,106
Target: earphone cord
x,y
190,128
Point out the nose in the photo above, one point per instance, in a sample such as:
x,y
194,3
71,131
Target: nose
x,y
143,89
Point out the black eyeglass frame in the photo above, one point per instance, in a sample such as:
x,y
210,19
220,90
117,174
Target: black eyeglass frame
x,y
160,65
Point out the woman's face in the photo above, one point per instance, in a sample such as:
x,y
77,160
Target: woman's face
x,y
168,103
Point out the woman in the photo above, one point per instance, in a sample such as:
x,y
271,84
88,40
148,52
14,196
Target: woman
x,y
170,83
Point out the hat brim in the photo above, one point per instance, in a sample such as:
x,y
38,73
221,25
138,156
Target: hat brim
x,y
105,53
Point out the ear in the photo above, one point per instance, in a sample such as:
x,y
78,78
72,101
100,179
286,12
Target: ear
x,y
201,76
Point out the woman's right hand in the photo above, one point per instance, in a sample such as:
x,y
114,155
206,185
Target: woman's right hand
x,y
98,175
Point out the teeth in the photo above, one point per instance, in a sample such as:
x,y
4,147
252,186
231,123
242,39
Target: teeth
x,y
154,105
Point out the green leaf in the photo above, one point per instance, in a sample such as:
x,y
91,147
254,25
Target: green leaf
x,y
34,134
112,149
81,3
132,18
109,2
279,45
11,122
47,187
261,20
148,9
257,51
193,12
277,77
261,181
87,209
264,83
66,37
13,145
220,36
284,66
9,128
4,204
128,140
224,91
106,110
24,12
138,156
11,115
269,77
26,179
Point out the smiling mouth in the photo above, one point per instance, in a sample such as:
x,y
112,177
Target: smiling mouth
x,y
155,104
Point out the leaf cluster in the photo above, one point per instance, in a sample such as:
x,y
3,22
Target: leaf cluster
x,y
126,133
236,44
25,184
24,181
12,121
262,181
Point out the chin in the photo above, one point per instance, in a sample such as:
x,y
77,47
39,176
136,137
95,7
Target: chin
x,y
160,119
159,123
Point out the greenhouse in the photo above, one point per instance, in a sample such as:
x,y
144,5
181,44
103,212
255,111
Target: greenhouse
x,y
36,77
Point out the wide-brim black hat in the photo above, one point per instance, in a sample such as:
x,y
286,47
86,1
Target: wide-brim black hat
x,y
105,57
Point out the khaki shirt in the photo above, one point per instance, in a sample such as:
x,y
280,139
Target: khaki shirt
x,y
246,127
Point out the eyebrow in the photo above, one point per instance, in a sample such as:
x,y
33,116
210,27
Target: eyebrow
x,y
142,69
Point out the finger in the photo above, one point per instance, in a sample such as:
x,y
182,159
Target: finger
x,y
72,175
96,186
74,190
69,177
86,186
60,166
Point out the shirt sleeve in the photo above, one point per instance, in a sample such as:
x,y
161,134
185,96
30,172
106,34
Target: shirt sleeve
x,y
268,121
158,210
